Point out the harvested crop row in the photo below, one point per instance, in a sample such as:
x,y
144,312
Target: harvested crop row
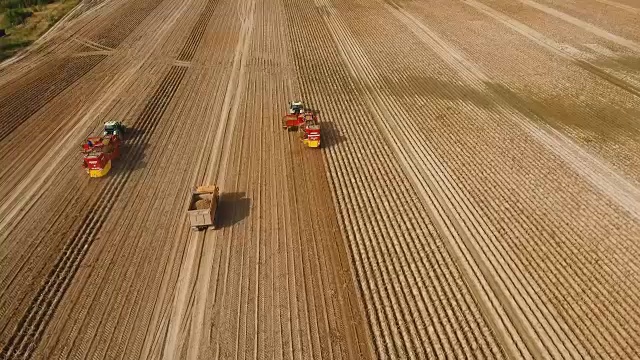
x,y
620,20
132,144
18,106
27,245
601,118
462,171
57,78
261,288
203,106
128,17
39,312
121,279
78,113
359,206
117,278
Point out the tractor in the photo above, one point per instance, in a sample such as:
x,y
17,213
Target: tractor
x,y
305,121
115,128
99,151
295,107
294,117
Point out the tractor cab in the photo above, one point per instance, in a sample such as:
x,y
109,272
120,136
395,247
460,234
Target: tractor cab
x,y
114,128
296,107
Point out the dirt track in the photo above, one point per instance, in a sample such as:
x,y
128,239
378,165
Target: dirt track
x,y
477,194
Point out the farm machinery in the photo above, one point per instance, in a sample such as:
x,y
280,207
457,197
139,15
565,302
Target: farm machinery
x,y
202,207
114,128
99,151
305,121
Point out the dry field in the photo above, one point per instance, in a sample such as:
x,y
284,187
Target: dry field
x,y
477,194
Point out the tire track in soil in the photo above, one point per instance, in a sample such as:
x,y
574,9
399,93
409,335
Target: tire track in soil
x,y
194,247
447,53
24,266
33,323
311,67
213,100
598,172
334,326
494,307
620,6
33,249
427,183
30,184
216,171
121,290
61,240
599,117
195,37
598,31
565,51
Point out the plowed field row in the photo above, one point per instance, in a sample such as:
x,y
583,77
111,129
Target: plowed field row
x,y
616,336
30,250
41,90
453,210
623,29
477,78
191,293
139,152
39,312
46,240
46,85
378,242
124,289
601,119
430,184
165,328
258,284
195,37
583,46
114,285
72,125
128,18
108,315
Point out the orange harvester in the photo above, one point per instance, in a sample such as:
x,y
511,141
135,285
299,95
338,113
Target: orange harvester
x,y
98,152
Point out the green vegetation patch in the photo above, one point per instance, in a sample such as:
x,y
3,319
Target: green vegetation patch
x,y
24,21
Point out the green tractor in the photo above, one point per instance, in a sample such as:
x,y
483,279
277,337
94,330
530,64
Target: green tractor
x,y
114,128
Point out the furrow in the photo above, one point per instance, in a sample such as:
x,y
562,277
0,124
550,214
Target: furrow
x,y
313,84
20,105
418,115
35,320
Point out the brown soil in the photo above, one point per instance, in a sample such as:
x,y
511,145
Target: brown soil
x,y
476,195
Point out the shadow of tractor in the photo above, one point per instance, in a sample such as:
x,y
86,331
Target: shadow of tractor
x,y
331,136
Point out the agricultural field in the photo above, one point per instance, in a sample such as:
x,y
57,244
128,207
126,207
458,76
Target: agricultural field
x,y
476,194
